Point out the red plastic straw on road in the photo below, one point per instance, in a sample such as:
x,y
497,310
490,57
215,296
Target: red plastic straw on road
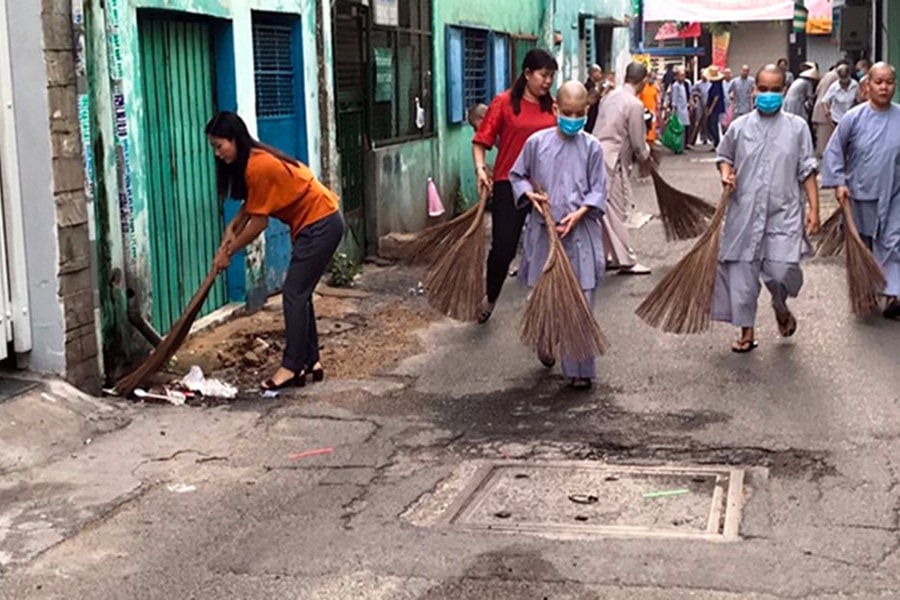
x,y
309,453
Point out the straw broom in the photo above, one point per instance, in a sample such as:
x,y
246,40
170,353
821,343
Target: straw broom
x,y
865,279
455,282
681,302
429,245
684,216
831,236
167,348
558,322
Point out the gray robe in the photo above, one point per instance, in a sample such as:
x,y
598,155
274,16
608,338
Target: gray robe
x,y
572,173
864,155
764,232
800,98
623,136
743,95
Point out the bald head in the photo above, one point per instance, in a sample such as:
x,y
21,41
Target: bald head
x,y
881,84
771,77
883,69
635,74
572,90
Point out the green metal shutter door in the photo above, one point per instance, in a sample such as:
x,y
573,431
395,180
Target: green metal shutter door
x,y
184,214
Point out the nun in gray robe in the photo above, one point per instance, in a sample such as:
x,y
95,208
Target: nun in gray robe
x,y
864,156
764,235
571,172
800,98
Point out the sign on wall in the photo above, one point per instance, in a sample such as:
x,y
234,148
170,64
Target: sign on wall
x,y
720,43
819,21
384,74
386,13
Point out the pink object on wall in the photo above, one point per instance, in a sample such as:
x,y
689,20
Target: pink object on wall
x,y
435,206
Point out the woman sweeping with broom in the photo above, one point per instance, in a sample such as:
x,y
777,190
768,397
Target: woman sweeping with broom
x,y
511,118
272,184
562,170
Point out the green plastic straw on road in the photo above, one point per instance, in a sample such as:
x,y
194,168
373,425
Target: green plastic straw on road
x,y
665,493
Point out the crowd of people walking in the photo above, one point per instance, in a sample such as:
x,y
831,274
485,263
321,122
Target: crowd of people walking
x,y
576,155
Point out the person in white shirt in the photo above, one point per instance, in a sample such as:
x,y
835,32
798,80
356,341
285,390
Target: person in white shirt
x,y
841,96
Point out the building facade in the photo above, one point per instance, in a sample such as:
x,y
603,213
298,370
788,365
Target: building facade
x,y
157,71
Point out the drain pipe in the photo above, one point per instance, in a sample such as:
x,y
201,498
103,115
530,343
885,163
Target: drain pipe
x,y
139,322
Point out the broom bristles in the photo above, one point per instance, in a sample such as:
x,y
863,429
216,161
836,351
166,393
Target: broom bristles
x,y
865,279
683,215
682,301
169,346
558,322
831,236
429,245
455,283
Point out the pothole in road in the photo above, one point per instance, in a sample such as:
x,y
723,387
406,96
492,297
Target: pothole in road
x,y
570,499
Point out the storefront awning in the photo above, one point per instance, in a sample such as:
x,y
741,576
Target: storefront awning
x,y
718,11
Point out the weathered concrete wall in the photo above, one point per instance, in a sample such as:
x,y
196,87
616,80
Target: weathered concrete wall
x,y
114,49
523,17
57,244
396,188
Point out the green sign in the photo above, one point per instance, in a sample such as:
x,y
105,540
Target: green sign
x,y
384,74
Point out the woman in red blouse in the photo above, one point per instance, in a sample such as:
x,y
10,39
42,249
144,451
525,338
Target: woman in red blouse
x,y
511,118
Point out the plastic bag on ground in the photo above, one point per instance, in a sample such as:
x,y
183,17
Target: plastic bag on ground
x,y
195,381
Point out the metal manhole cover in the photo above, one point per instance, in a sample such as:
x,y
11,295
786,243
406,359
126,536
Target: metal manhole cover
x,y
590,499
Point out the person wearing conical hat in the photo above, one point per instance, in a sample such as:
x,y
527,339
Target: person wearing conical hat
x,y
802,93
715,104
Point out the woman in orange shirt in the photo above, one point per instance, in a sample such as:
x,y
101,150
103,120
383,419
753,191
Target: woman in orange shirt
x,y
271,184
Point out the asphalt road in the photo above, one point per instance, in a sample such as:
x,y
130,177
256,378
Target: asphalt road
x,y
815,420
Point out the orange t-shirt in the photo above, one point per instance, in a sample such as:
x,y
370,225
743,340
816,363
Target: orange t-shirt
x,y
288,192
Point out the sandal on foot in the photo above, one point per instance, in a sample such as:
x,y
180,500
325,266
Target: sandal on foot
x,y
892,310
487,309
787,324
744,346
580,384
296,381
547,361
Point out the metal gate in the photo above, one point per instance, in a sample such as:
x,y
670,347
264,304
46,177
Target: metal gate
x,y
351,82
185,217
278,64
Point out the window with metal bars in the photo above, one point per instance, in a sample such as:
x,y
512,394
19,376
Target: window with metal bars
x,y
478,68
475,67
274,70
400,55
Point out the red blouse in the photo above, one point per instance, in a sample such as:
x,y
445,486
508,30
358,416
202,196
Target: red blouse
x,y
510,130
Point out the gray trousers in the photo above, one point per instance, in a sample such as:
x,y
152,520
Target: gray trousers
x,y
738,284
581,369
312,251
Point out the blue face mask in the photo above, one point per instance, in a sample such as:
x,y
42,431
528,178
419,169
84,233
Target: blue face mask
x,y
769,103
571,126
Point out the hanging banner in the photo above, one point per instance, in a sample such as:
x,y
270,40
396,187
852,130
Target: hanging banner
x,y
718,11
670,31
819,21
720,43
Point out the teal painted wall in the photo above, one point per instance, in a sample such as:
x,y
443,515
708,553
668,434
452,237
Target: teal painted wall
x,y
123,189
457,172
892,39
566,22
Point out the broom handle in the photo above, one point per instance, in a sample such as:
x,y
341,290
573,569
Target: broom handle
x,y
552,234
478,221
850,223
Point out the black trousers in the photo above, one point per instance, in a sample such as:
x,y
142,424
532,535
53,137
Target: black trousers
x,y
506,228
313,249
